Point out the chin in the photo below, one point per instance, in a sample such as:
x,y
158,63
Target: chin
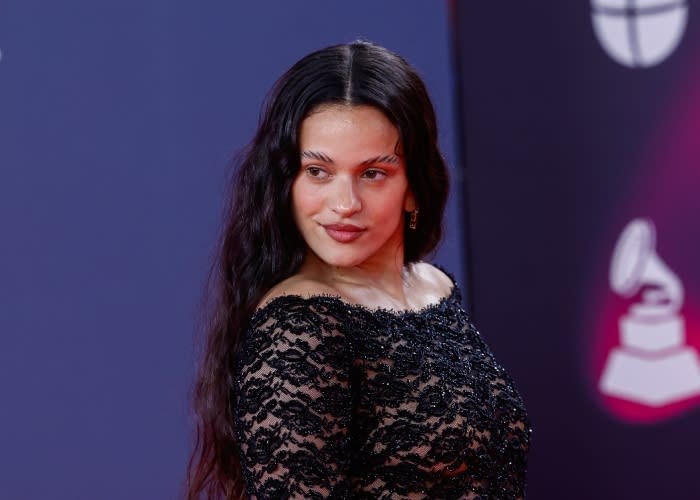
x,y
341,259
343,262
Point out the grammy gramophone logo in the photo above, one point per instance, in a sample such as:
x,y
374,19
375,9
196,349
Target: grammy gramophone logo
x,y
639,33
652,365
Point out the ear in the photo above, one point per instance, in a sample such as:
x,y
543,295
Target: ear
x,y
409,204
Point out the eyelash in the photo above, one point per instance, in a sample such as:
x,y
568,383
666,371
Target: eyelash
x,y
318,170
314,171
380,173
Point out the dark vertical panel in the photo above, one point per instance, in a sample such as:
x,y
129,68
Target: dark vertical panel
x,y
563,147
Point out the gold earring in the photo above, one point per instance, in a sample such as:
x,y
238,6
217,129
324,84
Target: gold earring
x,y
414,219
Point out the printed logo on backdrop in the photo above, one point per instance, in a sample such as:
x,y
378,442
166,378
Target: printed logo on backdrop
x,y
652,365
641,317
639,33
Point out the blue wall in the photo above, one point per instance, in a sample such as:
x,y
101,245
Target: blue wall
x,y
117,120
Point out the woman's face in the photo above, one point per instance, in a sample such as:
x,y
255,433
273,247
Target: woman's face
x,y
351,190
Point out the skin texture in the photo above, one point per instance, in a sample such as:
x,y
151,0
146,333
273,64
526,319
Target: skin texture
x,y
339,183
348,201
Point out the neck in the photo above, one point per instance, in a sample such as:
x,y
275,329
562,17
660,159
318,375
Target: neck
x,y
380,280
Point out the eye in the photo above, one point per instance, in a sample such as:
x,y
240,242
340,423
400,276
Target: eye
x,y
316,172
373,174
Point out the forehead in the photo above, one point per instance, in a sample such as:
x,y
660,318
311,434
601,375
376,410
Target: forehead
x,y
344,127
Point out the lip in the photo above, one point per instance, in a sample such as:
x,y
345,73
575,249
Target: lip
x,y
343,233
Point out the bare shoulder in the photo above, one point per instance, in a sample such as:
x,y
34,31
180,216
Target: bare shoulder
x,y
432,279
297,285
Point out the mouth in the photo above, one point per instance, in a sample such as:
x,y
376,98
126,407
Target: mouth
x,y
343,233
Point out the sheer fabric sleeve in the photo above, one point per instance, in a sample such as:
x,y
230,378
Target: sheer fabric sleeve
x,y
292,403
509,481
511,436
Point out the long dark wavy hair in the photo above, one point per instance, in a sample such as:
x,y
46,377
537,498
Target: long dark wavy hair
x,y
260,243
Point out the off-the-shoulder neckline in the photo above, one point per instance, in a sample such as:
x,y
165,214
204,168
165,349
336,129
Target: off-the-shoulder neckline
x,y
336,300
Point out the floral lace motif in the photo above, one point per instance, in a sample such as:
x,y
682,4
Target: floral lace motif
x,y
334,400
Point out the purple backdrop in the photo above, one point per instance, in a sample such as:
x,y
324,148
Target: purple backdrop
x,y
117,120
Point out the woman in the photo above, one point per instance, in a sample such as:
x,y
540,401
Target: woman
x,y
338,364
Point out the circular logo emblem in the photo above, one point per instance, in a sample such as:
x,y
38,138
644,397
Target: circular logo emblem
x,y
639,33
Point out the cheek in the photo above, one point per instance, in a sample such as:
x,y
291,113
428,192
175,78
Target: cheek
x,y
303,200
409,202
397,203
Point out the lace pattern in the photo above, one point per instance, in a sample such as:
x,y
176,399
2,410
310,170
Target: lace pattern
x,y
334,400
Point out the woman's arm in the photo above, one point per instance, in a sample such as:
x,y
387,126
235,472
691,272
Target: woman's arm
x,y
293,404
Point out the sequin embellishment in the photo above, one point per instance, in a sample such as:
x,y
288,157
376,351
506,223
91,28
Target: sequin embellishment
x,y
338,401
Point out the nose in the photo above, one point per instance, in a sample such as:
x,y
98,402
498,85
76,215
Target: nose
x,y
345,200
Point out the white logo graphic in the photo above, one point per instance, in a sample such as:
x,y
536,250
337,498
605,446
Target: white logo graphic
x,y
639,32
652,366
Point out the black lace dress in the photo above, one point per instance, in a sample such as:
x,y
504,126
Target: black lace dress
x,y
338,401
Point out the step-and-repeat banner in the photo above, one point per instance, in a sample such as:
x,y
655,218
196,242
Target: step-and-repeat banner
x,y
581,143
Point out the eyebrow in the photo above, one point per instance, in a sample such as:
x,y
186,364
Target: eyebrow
x,y
315,155
382,159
